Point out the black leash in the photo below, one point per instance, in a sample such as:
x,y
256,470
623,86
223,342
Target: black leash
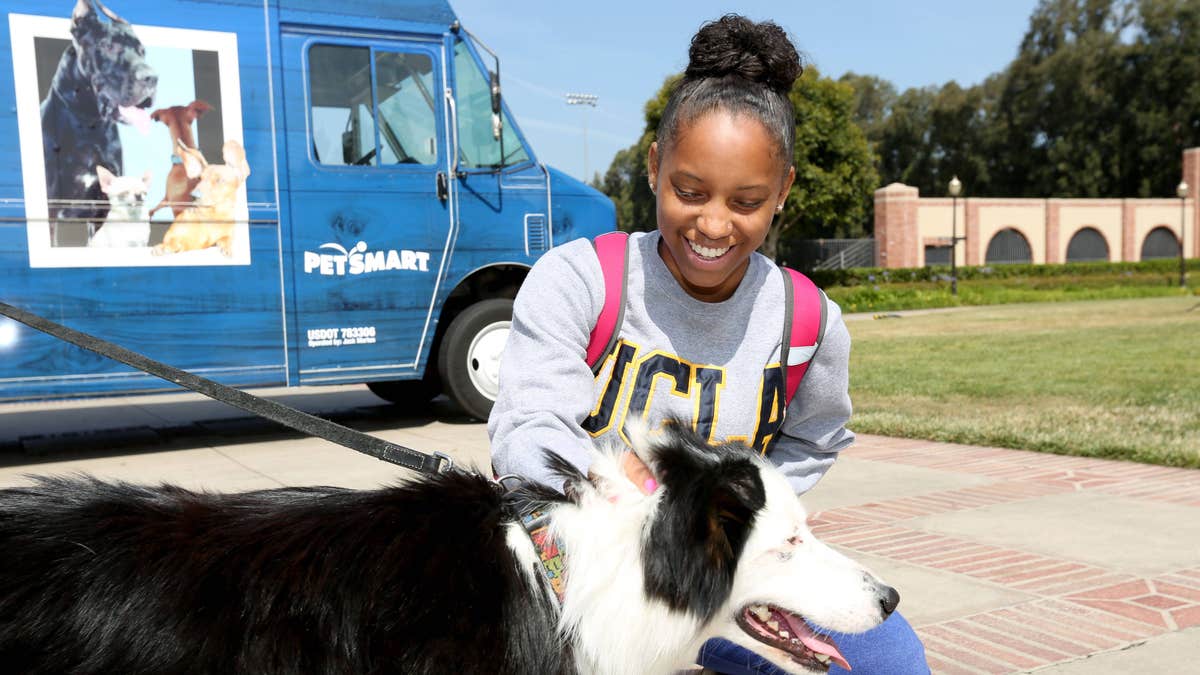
x,y
276,412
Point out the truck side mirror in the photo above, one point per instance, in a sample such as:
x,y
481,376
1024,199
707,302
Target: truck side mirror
x,y
349,155
495,81
497,124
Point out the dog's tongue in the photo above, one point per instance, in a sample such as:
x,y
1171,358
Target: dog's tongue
x,y
817,643
138,118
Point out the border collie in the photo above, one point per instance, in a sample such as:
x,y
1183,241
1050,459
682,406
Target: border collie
x,y
434,576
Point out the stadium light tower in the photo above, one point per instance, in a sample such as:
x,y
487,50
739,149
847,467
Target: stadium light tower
x,y
588,100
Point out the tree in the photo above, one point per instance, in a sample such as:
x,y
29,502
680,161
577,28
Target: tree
x,y
874,99
904,144
1060,123
1164,106
1100,101
835,169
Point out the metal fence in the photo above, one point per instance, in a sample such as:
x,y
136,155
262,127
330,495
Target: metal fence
x,y
829,254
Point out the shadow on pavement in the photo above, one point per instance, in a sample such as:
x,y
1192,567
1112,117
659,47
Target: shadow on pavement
x,y
56,431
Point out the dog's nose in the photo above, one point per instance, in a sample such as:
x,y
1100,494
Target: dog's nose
x,y
889,601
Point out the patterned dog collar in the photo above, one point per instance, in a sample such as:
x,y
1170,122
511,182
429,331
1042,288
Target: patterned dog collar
x,y
550,553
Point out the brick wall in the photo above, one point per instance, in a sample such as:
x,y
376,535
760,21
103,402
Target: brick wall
x,y
905,222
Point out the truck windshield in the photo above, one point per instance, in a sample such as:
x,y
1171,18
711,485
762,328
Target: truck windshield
x,y
477,146
347,93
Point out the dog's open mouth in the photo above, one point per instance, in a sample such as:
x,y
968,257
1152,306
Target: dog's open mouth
x,y
136,116
784,630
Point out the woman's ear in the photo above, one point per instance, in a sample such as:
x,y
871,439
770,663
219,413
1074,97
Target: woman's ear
x,y
787,186
652,166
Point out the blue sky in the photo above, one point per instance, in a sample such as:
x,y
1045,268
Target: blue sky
x,y
621,51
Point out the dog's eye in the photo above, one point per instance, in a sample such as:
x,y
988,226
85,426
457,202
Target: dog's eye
x,y
795,540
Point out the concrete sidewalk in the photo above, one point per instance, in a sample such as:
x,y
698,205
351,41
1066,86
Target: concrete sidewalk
x,y
1007,561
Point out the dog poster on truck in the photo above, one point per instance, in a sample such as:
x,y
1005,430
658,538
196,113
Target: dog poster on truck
x,y
267,193
130,140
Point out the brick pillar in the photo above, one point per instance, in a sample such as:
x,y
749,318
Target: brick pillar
x,y
974,255
1053,253
896,236
1129,251
1191,174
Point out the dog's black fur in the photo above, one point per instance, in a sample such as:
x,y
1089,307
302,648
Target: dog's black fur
x,y
99,577
103,68
114,578
710,503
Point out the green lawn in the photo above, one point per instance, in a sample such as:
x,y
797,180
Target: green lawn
x,y
1109,378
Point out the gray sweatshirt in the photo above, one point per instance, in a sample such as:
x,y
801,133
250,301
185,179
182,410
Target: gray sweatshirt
x,y
715,364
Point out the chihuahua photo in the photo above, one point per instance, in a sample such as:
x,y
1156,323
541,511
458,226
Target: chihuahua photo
x,y
127,225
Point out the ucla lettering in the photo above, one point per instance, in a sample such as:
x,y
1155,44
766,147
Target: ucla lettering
x,y
771,406
631,382
602,417
708,403
657,364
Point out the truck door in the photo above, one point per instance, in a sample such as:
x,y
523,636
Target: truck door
x,y
366,139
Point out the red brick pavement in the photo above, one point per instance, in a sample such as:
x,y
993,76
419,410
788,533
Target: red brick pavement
x,y
1078,608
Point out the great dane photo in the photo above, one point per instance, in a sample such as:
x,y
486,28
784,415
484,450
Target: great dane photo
x,y
102,80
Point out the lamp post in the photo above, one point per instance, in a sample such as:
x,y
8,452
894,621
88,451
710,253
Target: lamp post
x,y
588,100
1181,191
955,189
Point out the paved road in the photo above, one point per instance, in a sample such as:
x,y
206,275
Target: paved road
x,y
1007,561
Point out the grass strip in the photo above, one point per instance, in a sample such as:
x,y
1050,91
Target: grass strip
x,y
1109,378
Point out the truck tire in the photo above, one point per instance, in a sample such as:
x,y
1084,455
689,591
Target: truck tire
x,y
469,358
412,393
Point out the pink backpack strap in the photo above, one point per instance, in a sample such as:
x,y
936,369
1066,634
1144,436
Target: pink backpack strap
x,y
803,327
613,251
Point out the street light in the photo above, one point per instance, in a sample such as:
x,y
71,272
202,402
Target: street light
x,y
955,190
1182,192
588,100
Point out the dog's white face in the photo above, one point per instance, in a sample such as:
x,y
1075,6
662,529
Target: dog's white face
x,y
721,549
126,194
787,579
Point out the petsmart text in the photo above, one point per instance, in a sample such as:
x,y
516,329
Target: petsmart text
x,y
358,260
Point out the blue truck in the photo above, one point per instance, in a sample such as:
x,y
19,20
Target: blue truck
x,y
265,193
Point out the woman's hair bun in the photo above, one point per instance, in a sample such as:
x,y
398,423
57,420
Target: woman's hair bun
x,y
735,45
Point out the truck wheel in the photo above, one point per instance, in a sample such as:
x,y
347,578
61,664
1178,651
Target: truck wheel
x,y
469,358
416,393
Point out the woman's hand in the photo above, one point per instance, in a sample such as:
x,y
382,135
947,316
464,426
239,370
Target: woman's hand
x,y
637,471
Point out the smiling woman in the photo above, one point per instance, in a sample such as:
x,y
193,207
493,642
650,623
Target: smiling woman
x,y
701,338
721,185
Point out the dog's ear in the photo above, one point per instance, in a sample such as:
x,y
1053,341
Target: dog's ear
x,y
106,178
198,108
731,511
147,178
697,536
193,162
83,10
235,156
